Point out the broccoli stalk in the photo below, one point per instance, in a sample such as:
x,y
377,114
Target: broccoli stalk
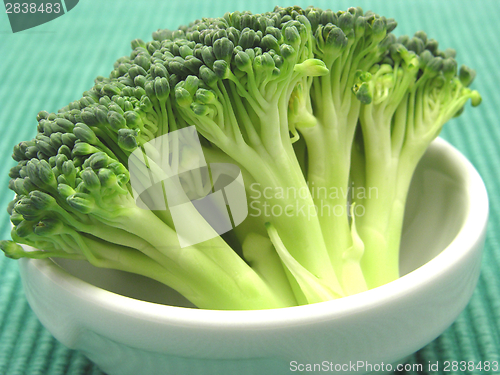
x,y
406,102
346,42
240,105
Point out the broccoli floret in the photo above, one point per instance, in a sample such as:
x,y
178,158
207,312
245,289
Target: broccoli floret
x,y
347,41
74,198
406,100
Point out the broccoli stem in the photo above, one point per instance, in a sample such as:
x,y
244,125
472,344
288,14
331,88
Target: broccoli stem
x,y
271,161
381,225
329,145
312,288
261,255
388,169
329,190
295,219
378,261
212,278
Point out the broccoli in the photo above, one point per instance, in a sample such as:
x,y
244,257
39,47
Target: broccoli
x,y
407,99
309,104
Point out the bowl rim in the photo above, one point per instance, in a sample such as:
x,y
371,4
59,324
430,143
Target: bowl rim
x,y
471,233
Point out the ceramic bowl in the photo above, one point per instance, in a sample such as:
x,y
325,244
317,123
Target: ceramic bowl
x,y
127,324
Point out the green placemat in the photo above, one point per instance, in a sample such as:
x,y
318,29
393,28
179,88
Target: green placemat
x,y
48,66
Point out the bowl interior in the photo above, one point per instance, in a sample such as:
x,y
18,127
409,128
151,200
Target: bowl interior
x,y
436,210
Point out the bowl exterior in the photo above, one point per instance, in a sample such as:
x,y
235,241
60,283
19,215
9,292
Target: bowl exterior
x,y
124,342
366,332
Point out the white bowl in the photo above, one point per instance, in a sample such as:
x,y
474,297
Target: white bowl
x,y
127,324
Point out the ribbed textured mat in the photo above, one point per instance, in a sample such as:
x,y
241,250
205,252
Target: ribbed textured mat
x,y
48,66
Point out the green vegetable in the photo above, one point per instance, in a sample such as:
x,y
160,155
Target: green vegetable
x,y
326,114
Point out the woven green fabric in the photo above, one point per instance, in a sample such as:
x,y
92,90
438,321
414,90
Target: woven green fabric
x,y
48,66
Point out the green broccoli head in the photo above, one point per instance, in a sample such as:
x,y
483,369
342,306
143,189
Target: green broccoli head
x,y
301,100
